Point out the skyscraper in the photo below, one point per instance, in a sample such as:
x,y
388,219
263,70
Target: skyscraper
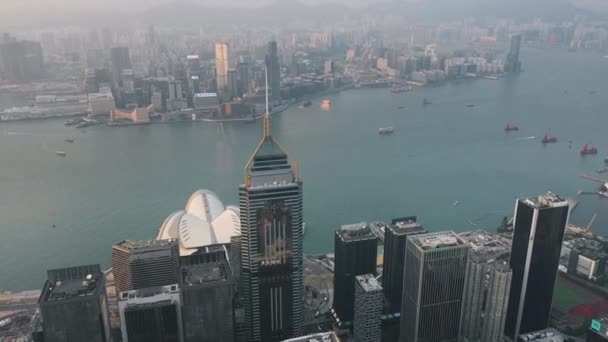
x,y
395,238
233,85
119,56
21,61
206,285
221,67
539,225
142,264
497,300
483,284
271,242
512,63
151,315
368,309
433,288
274,69
73,305
356,249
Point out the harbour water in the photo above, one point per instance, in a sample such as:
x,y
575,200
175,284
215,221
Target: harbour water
x,y
451,165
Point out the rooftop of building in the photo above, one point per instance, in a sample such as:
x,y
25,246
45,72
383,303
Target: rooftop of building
x,y
545,335
548,200
355,231
67,283
149,292
405,225
368,282
600,324
206,273
131,245
437,240
320,337
486,245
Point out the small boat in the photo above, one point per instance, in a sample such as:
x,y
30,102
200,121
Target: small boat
x,y
509,128
400,107
470,105
548,139
307,103
397,90
386,130
592,92
606,160
69,140
61,153
602,170
588,150
426,101
72,121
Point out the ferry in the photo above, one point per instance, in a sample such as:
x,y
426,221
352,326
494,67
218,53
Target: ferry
x,y
548,139
588,150
386,130
61,153
509,128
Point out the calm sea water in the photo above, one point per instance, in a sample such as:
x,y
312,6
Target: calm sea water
x,y
120,183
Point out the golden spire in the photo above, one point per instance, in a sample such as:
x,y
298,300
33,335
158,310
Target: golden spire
x,y
267,123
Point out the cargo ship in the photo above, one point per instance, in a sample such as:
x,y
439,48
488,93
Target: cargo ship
x,y
548,139
509,128
588,150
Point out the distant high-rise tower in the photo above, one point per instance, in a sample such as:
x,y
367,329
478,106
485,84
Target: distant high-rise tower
x,y
271,242
539,225
433,289
367,325
142,264
233,85
73,305
274,70
221,67
356,250
21,61
395,238
206,292
513,63
119,56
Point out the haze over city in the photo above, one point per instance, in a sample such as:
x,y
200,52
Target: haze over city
x,y
304,170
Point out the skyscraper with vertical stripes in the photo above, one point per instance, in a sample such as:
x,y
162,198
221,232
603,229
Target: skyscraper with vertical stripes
x,y
271,241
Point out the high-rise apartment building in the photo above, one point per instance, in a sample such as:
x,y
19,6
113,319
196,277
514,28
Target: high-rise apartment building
x,y
356,250
151,315
73,305
274,70
539,226
395,238
271,242
367,324
207,291
143,264
433,289
221,67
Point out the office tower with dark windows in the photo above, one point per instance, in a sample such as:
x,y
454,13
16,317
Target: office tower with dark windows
x,y
233,85
243,72
271,242
119,56
142,264
151,315
538,231
513,64
433,288
207,291
356,250
395,237
221,68
367,324
274,70
73,305
487,285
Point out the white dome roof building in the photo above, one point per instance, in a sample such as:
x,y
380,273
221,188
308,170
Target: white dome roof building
x,y
204,222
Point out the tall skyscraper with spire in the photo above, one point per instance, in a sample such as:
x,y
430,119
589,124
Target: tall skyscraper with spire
x,y
271,241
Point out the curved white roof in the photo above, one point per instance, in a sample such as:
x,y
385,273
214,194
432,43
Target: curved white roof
x,y
205,221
